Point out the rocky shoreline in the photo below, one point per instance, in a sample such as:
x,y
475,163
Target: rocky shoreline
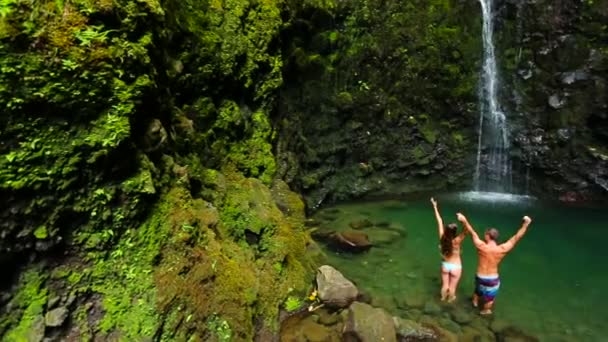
x,y
343,313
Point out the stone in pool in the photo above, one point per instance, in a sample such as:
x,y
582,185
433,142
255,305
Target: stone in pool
x,y
365,223
350,241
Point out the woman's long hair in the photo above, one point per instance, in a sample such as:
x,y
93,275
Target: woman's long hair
x,y
449,233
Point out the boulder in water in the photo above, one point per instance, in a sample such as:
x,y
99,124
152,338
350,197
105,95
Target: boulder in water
x,y
408,330
368,324
335,291
351,241
365,223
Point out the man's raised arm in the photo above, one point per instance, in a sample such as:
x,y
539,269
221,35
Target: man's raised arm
x,y
508,246
476,240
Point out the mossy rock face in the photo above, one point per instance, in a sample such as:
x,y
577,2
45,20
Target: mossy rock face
x,y
379,96
186,271
223,277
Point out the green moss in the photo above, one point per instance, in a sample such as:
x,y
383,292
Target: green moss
x,y
254,155
41,233
429,132
220,328
28,307
293,303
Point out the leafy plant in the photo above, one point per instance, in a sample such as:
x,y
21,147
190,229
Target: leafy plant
x,y
220,328
293,303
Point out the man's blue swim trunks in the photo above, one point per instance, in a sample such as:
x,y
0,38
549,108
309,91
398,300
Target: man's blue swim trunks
x,y
487,287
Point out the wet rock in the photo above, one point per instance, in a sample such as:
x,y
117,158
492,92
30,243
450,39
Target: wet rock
x,y
598,61
56,317
155,136
306,329
52,302
408,301
365,223
443,334
412,315
449,325
364,297
334,289
368,324
556,101
326,317
565,134
499,325
571,77
71,299
411,331
470,334
431,308
315,332
287,201
525,74
461,316
264,334
386,302
351,241
380,236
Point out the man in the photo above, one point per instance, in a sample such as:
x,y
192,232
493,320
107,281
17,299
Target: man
x,y
490,254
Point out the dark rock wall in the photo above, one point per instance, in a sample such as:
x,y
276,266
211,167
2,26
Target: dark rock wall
x,y
554,61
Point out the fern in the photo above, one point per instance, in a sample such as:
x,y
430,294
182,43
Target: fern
x,y
6,7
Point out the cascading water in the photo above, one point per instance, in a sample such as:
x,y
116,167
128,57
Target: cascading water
x,y
493,171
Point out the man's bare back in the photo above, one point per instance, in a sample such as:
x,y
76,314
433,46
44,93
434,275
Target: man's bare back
x,y
487,281
490,256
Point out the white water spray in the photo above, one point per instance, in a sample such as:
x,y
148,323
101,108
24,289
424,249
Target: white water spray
x,y
493,171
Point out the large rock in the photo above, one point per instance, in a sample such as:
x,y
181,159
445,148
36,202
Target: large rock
x,y
351,241
56,317
411,331
334,289
368,324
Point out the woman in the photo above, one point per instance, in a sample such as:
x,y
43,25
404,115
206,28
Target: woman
x,y
451,267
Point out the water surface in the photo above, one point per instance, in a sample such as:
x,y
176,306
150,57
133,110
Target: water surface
x,y
553,282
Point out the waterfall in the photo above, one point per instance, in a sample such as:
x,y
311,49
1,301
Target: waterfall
x,y
493,171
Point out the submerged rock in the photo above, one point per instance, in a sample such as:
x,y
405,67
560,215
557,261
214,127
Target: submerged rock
x,y
334,289
443,334
365,223
460,316
515,334
306,329
408,330
351,241
431,308
380,236
474,334
368,324
326,317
